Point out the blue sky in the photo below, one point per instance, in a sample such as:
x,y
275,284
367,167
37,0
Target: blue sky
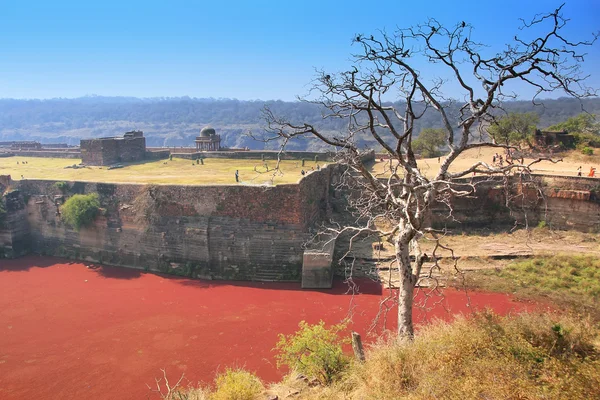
x,y
234,49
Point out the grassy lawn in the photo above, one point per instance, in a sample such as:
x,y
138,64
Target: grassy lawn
x,y
572,281
215,171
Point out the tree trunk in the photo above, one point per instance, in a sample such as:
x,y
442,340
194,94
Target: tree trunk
x,y
357,346
406,285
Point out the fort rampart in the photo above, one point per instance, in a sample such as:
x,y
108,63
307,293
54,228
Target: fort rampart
x,y
249,232
216,232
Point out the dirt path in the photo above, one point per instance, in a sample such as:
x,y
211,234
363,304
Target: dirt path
x,y
481,250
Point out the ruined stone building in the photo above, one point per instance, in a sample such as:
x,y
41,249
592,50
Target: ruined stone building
x,y
112,150
549,138
208,140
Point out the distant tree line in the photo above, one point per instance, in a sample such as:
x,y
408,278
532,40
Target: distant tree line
x,y
176,121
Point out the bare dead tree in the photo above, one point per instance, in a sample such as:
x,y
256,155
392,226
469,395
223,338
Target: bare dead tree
x,y
385,68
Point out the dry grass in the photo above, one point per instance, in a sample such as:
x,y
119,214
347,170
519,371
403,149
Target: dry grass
x,y
215,171
484,357
529,356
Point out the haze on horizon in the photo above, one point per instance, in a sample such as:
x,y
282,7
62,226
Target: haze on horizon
x,y
242,50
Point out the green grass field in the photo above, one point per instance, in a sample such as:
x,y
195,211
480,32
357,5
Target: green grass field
x,y
566,280
215,171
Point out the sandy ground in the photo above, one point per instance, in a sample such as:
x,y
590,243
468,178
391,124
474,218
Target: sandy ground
x,y
71,332
568,166
480,250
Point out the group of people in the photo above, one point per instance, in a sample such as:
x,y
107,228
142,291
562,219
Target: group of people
x,y
498,159
591,174
23,162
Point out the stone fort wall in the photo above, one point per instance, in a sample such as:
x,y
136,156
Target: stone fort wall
x,y
564,203
215,232
249,232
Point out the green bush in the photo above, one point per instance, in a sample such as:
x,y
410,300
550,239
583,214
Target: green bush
x,y
62,186
237,385
586,140
587,151
314,351
80,210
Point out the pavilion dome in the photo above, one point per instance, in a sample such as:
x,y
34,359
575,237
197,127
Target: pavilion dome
x,y
207,132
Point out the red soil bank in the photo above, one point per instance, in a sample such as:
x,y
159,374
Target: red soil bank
x,y
69,332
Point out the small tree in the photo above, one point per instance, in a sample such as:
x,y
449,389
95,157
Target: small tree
x,y
80,210
583,127
582,123
429,142
514,129
314,351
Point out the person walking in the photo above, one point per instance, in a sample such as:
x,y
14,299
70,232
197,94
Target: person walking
x,y
579,171
237,176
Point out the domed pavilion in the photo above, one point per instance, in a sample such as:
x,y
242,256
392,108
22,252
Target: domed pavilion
x,y
208,140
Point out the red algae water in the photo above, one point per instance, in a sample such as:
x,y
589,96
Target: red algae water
x,y
68,331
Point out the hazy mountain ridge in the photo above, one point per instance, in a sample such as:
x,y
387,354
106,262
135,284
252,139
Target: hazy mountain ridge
x,y
176,121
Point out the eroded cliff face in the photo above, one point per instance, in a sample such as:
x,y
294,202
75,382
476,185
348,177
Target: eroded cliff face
x,y
214,232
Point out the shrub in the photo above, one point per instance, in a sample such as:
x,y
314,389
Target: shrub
x,y
586,140
237,385
587,151
80,210
542,224
314,351
62,186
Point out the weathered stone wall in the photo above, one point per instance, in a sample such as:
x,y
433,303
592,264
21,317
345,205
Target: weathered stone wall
x,y
14,229
107,151
564,203
220,232
255,154
48,153
244,232
157,154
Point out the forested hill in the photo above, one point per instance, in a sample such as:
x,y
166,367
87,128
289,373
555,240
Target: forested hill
x,y
176,121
